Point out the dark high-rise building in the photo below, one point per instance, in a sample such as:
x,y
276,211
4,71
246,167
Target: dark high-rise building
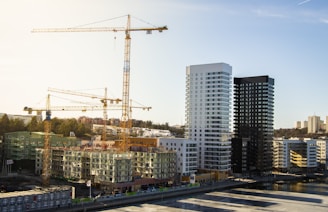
x,y
253,125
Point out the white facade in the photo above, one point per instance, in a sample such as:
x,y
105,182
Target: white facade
x,y
280,154
304,124
208,102
322,151
291,153
298,124
155,133
187,154
313,124
311,153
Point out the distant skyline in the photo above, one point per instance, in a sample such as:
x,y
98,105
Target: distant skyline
x,y
284,39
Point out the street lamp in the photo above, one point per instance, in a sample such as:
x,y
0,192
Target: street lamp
x,y
89,185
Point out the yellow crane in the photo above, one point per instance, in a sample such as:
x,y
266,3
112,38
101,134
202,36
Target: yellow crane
x,y
104,100
126,68
46,147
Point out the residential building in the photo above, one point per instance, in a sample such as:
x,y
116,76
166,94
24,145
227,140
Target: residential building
x,y
322,154
37,199
298,125
110,169
21,146
150,162
85,164
253,125
295,155
313,124
304,124
208,100
187,154
281,155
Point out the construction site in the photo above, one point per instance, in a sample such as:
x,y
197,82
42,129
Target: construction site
x,y
116,166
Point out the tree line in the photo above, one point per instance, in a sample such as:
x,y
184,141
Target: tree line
x,y
298,133
58,126
65,126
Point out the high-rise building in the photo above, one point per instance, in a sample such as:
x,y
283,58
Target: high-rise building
x,y
253,125
313,124
208,97
298,125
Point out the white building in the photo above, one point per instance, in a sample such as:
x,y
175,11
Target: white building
x,y
155,133
322,153
298,124
304,124
280,154
208,102
187,154
294,155
313,124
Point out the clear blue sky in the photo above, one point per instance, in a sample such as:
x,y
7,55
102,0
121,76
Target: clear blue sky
x,y
285,39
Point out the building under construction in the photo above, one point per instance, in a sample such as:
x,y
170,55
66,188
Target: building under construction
x,y
112,170
20,147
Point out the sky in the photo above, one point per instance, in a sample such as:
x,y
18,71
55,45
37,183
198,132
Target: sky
x,y
285,39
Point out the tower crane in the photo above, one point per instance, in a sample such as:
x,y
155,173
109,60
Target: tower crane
x,y
126,68
103,100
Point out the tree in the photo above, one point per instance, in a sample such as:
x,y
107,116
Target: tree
x,y
34,125
16,125
4,124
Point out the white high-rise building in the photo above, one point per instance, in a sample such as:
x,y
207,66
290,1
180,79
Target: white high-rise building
x,y
208,103
313,124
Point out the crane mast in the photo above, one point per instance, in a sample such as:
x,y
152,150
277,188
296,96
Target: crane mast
x,y
47,145
126,86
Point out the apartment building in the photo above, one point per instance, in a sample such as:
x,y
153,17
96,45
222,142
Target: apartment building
x,y
207,107
84,164
186,152
253,125
322,154
298,124
150,162
37,199
313,124
295,155
21,145
111,169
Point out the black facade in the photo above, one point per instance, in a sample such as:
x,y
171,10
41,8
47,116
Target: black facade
x,y
253,125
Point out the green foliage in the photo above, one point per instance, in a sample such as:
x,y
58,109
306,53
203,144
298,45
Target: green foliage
x,y
11,125
298,133
58,126
35,125
131,193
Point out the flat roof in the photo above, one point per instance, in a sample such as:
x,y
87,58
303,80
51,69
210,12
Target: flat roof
x,y
35,191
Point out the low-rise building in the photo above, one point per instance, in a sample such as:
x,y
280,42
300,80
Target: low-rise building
x,y
186,151
37,199
111,169
294,155
20,147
